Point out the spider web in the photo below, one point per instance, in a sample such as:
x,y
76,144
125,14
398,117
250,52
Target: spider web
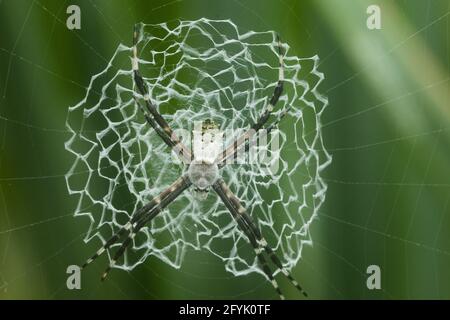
x,y
197,70
358,218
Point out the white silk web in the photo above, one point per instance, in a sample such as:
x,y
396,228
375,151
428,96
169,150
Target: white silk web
x,y
197,70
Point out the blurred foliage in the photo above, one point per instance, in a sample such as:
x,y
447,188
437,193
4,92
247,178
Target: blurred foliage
x,y
387,127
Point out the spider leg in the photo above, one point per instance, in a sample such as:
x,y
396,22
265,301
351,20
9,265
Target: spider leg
x,y
130,236
163,135
272,126
134,219
151,108
261,242
272,255
276,93
231,150
245,228
162,201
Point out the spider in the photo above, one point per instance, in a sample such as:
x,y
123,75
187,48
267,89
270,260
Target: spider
x,y
203,174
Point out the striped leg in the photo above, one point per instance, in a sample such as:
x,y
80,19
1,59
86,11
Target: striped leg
x,y
276,93
161,202
130,236
245,228
134,220
272,126
232,149
151,110
262,243
155,126
268,129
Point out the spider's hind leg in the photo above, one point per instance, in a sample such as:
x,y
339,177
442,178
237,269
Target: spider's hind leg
x,y
147,213
221,190
263,245
280,266
116,237
121,251
144,218
253,233
108,244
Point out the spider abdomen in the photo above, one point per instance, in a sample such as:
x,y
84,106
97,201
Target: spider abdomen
x,y
203,174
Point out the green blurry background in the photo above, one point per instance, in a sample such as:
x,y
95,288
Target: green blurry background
x,y
387,128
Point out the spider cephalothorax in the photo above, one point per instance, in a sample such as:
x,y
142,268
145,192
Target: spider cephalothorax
x,y
203,162
203,171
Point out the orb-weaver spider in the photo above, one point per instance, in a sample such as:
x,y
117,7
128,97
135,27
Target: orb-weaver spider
x,y
203,173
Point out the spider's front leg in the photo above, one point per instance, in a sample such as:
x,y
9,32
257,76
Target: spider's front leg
x,y
140,219
232,149
153,117
245,222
